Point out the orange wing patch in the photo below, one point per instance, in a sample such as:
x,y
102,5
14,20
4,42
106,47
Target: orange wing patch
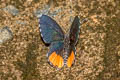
x,y
70,59
56,60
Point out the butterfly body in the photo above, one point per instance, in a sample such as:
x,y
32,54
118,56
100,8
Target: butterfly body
x,y
62,46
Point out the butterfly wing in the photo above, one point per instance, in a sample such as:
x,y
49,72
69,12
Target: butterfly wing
x,y
73,37
74,31
55,55
71,56
50,30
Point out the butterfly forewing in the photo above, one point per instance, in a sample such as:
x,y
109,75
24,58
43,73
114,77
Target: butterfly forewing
x,y
74,31
50,30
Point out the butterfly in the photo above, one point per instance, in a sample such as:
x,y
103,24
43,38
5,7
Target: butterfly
x,y
62,46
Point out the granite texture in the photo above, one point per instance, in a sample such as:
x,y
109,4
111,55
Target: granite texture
x,y
98,48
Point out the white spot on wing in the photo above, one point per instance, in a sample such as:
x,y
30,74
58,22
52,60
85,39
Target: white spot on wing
x,y
43,38
75,50
50,62
41,35
40,30
47,54
39,25
39,20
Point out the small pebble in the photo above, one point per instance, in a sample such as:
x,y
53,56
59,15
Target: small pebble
x,y
54,13
46,11
5,34
39,12
21,22
11,9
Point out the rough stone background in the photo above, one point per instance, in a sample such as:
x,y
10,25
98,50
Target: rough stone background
x,y
98,48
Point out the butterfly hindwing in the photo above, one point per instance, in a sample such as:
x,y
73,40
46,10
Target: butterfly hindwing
x,y
50,30
55,55
71,57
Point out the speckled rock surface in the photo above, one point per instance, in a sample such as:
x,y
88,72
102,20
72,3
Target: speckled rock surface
x,y
11,9
98,48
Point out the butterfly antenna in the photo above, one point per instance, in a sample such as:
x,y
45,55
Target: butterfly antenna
x,y
83,21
